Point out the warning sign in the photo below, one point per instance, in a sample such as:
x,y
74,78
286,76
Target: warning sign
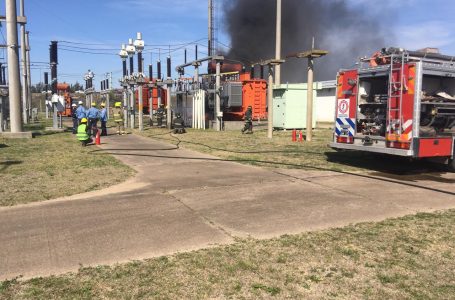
x,y
343,108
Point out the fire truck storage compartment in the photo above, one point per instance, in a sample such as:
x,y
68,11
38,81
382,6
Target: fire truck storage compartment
x,y
437,113
372,110
431,147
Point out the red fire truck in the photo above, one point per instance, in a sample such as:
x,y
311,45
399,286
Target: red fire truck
x,y
398,102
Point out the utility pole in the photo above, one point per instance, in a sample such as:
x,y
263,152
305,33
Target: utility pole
x,y
271,63
139,45
158,79
124,55
131,50
29,76
46,88
270,103
3,95
168,93
310,55
217,111
108,97
210,28
278,42
24,65
13,67
54,98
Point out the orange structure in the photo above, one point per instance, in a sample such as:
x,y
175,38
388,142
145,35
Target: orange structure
x,y
63,89
254,94
149,93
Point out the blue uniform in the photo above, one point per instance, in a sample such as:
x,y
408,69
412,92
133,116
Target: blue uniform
x,y
92,113
103,115
80,112
103,118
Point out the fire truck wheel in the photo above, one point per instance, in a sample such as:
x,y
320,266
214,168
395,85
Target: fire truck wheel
x,y
451,165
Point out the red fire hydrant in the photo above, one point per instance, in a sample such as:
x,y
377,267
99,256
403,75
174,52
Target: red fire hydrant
x,y
98,138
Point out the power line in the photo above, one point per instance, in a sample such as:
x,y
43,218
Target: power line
x,y
87,52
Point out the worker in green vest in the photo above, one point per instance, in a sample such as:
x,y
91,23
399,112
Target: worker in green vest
x,y
82,133
118,118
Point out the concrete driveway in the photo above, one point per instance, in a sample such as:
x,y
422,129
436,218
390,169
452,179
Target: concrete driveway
x,y
182,200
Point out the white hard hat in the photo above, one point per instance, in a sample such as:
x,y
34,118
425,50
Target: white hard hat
x,y
74,104
80,102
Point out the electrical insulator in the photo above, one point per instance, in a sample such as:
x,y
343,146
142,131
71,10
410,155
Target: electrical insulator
x,y
53,52
168,67
158,67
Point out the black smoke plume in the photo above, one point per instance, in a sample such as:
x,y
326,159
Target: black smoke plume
x,y
346,32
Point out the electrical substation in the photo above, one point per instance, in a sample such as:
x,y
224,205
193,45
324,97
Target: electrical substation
x,y
397,101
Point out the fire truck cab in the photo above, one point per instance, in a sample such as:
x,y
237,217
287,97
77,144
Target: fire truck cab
x,y
398,102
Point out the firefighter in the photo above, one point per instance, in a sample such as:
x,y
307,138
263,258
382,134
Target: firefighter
x,y
74,117
80,112
118,117
103,119
92,116
82,133
248,117
160,115
178,124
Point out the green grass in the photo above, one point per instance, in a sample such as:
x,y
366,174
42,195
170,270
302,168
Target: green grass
x,y
281,152
404,258
52,165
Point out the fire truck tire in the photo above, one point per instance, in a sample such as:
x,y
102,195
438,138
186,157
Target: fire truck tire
x,y
451,165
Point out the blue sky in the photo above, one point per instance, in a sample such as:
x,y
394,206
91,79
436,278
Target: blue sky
x,y
106,24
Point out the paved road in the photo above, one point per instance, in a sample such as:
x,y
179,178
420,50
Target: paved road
x,y
182,200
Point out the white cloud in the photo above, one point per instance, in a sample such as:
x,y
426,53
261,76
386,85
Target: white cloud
x,y
427,34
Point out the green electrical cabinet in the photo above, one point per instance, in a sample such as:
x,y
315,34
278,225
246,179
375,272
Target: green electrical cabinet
x,y
290,105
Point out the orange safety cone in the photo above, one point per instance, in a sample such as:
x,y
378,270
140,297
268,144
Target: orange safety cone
x,y
294,135
98,138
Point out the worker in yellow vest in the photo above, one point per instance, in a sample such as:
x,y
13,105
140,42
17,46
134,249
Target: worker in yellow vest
x,y
118,117
83,134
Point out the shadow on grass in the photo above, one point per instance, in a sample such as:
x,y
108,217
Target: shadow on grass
x,y
48,133
6,164
3,146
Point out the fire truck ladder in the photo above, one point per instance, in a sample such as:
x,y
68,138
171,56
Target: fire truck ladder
x,y
395,93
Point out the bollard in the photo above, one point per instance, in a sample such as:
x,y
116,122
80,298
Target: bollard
x,y
300,136
98,138
294,135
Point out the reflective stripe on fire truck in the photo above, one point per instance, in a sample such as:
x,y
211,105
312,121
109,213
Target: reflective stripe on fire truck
x,y
406,133
345,126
